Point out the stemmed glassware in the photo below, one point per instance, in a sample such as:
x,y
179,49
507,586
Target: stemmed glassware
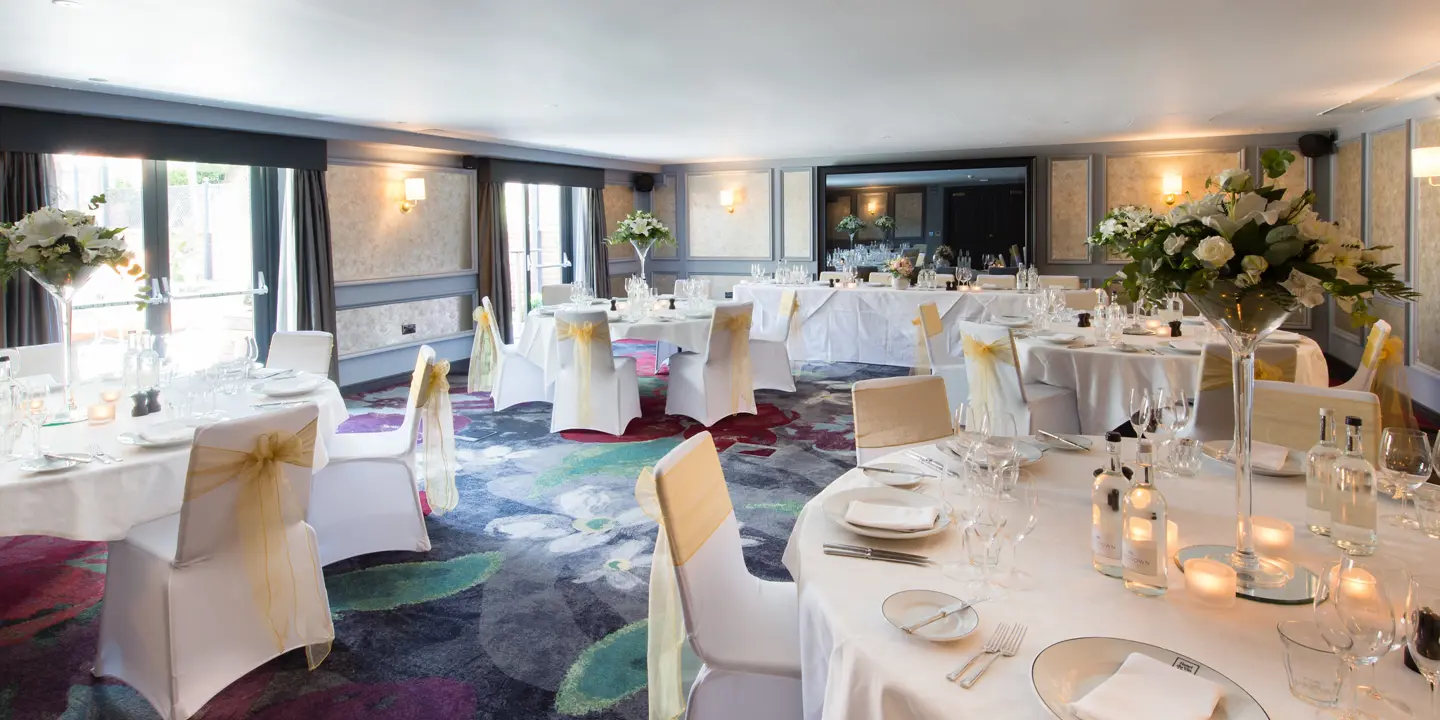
x,y
1171,412
1424,639
1140,411
36,397
1406,463
1358,620
1021,507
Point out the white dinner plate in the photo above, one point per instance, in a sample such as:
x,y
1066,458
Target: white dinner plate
x,y
46,465
1059,338
1132,330
1294,462
908,606
290,387
1189,347
1284,337
1028,453
698,314
161,435
836,505
1125,348
1069,669
904,475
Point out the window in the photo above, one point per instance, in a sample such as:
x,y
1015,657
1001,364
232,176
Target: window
x,y
539,234
210,233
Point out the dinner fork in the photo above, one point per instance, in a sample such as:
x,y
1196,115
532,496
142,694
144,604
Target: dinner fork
x,y
992,646
1011,646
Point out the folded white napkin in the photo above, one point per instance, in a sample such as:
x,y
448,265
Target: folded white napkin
x,y
1145,688
891,517
167,433
298,384
1267,456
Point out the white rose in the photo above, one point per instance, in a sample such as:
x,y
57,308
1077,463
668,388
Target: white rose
x,y
1234,180
1305,288
1214,251
1253,265
44,226
1108,227
1174,244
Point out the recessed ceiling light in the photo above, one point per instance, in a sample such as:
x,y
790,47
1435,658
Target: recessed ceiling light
x,y
67,3
433,130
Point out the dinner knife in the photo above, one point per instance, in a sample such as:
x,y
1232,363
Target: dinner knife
x,y
879,552
895,472
939,615
927,462
863,556
1069,443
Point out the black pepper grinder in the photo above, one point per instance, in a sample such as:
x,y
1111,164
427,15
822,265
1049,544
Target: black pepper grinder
x,y
152,400
142,405
832,282
612,305
672,303
1084,320
950,285
1174,328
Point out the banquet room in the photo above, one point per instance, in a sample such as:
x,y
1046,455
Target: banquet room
x,y
471,360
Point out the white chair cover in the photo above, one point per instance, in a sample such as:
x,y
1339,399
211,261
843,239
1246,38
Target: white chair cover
x,y
367,499
1214,412
769,350
895,413
879,277
745,630
1364,378
936,358
1068,282
993,370
33,363
304,350
196,600
594,390
1082,301
1288,414
828,275
716,384
515,379
555,294
1002,282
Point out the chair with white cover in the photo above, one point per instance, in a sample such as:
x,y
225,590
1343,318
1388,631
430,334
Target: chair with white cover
x,y
304,350
1288,414
557,294
196,600
896,413
745,630
769,348
715,384
934,356
367,498
595,390
1213,417
993,369
30,364
1068,282
1085,301
829,275
879,277
512,378
1364,378
1002,282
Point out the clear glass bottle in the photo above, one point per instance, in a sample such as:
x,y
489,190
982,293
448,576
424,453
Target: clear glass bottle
x,y
1319,467
1353,505
148,363
1106,496
130,364
12,408
1143,537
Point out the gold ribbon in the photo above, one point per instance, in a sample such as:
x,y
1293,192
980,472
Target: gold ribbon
x,y
666,630
583,334
790,307
1374,349
438,437
986,358
265,508
1393,389
1217,373
927,325
738,325
484,354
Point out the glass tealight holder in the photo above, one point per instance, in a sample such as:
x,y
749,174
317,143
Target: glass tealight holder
x,y
1427,508
1311,667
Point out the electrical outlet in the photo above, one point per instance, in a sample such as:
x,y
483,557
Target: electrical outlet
x,y
407,329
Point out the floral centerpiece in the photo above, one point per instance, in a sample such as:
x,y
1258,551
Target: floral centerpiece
x,y
944,256
850,225
61,249
643,231
1247,256
902,271
886,225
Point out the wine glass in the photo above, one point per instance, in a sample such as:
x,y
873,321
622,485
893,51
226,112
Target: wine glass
x,y
1406,463
1022,513
1357,619
1140,408
1424,640
985,529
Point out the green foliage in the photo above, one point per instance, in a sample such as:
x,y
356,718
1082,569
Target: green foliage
x,y
1275,162
642,229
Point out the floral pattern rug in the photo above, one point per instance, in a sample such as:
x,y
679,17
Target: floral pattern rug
x,y
532,603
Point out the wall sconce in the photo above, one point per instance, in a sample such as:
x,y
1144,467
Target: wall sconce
x,y
1425,163
1170,186
727,201
872,207
414,193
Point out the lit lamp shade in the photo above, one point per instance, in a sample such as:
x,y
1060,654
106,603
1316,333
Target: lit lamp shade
x,y
1170,187
414,189
1425,162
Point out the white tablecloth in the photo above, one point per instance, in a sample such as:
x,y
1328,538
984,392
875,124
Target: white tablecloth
x,y
1102,377
872,324
857,667
96,501
538,345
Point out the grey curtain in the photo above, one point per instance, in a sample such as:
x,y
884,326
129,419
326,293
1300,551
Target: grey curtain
x,y
494,273
314,273
28,315
597,251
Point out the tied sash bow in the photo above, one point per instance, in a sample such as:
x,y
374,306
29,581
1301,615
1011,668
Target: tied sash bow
x,y
1392,387
438,439
986,358
484,354
738,325
265,510
583,333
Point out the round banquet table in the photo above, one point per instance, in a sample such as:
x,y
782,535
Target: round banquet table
x,y
1101,376
537,341
100,502
856,666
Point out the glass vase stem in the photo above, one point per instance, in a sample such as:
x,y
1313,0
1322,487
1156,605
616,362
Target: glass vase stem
x,y
1243,369
67,317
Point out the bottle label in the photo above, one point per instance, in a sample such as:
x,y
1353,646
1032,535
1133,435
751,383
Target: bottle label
x,y
1142,558
1105,537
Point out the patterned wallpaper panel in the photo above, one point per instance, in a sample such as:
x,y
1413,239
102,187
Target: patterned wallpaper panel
x,y
662,206
373,240
378,326
872,206
1427,253
1296,178
835,211
799,225
909,214
1389,193
619,202
1135,179
1345,205
1069,209
715,233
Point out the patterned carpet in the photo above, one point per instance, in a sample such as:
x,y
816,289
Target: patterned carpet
x,y
531,604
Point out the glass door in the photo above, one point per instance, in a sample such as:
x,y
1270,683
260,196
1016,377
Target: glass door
x,y
211,258
539,243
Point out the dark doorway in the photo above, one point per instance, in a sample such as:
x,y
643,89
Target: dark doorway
x,y
985,219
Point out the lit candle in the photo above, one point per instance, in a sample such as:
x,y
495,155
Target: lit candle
x,y
1359,584
1210,581
110,396
1273,536
850,285
100,414
1152,324
1172,538
1161,330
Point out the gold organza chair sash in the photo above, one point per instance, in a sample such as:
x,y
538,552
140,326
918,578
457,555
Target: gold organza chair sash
x,y
1392,387
583,333
265,506
438,439
986,358
901,413
666,631
1217,372
790,308
484,354
927,325
738,325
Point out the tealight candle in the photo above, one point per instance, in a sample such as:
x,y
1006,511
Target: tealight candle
x,y
1152,324
36,406
110,396
1210,581
100,414
850,285
1273,536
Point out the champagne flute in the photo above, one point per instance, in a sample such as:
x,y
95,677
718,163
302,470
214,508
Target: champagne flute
x,y
1022,513
1357,620
1424,640
1406,463
1140,408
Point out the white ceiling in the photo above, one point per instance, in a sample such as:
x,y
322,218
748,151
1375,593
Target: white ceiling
x,y
696,81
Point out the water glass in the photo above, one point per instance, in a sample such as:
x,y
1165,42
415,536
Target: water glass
x,y
1406,464
1427,505
1424,642
1311,667
1184,456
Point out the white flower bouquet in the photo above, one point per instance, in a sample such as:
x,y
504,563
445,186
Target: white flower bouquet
x,y
850,225
1251,241
62,247
642,229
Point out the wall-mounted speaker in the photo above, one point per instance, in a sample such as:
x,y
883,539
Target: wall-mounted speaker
x,y
1314,145
644,182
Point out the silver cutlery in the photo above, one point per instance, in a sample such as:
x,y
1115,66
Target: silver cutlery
x,y
888,471
103,456
1067,442
992,646
927,462
865,556
939,615
286,403
1008,649
879,552
72,457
